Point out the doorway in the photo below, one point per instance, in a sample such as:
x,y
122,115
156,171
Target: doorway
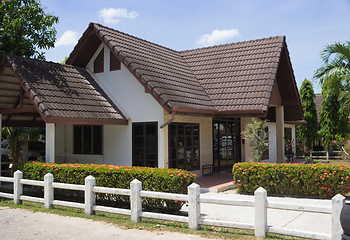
x,y
226,143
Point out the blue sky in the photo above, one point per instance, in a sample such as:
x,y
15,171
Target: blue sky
x,y
308,24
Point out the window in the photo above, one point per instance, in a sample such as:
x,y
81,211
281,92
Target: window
x,y
145,144
87,139
184,146
99,62
114,63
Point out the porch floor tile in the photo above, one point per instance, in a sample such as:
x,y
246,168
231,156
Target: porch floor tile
x,y
217,182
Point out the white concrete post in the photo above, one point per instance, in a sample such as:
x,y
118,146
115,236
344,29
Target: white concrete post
x,y
260,202
337,204
17,187
280,134
50,143
48,190
90,199
194,211
135,200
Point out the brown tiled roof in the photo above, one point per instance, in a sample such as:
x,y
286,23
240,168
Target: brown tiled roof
x,y
229,78
63,91
237,76
318,101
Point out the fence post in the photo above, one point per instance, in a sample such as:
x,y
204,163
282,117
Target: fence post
x,y
194,211
17,187
337,205
260,202
89,195
135,200
48,190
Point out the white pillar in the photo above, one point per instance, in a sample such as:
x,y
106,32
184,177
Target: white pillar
x,y
135,200
48,190
90,199
17,187
194,211
260,200
50,142
337,204
280,134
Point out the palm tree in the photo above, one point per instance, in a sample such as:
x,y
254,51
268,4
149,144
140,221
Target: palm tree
x,y
336,59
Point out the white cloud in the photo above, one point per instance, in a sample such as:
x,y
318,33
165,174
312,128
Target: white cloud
x,y
69,38
112,15
217,36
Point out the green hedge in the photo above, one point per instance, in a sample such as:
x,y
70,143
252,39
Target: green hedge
x,y
323,180
153,179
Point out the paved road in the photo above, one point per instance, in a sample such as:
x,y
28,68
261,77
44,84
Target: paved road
x,y
21,224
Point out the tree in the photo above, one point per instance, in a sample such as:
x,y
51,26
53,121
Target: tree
x,y
336,63
25,29
309,131
256,136
334,76
334,123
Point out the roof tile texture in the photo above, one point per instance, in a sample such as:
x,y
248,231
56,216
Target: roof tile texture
x,y
64,91
236,76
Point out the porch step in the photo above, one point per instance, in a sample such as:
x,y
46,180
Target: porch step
x,y
219,188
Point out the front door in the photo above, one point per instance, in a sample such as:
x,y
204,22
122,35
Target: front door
x,y
226,143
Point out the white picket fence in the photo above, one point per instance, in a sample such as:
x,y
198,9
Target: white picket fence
x,y
193,198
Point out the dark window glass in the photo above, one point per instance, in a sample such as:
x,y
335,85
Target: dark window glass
x,y
114,63
145,144
77,132
87,139
184,146
99,62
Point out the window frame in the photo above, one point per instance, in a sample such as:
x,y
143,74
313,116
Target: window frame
x,y
144,143
92,140
193,156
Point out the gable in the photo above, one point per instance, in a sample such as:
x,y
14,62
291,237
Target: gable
x,y
227,80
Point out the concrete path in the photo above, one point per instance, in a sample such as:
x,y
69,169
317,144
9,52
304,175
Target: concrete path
x,y
313,222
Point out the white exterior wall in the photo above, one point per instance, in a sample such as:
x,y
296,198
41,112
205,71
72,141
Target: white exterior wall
x,y
130,97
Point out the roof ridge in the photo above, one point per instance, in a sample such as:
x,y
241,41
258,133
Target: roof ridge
x,y
281,38
144,40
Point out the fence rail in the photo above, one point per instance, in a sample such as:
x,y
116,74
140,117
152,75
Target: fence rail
x,y
193,198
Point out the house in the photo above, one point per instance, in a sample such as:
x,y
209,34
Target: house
x,y
122,100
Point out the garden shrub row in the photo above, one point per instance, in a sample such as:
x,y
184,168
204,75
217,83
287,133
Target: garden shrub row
x,y
153,179
322,180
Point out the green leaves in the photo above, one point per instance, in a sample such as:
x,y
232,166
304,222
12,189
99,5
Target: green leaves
x,y
307,96
293,179
26,29
153,179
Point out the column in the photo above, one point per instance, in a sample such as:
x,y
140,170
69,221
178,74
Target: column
x,y
50,142
280,134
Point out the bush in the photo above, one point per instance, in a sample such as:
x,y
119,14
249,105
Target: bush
x,y
153,179
293,179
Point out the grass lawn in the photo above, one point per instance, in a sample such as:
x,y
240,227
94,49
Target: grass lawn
x,y
124,222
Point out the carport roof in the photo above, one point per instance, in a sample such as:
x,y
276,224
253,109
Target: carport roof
x,y
34,92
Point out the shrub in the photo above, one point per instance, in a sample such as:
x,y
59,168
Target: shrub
x,y
153,179
323,180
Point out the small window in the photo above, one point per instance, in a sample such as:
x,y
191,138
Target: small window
x,y
99,62
114,63
87,140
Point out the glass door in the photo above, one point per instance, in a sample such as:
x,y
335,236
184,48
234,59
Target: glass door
x,y
226,144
